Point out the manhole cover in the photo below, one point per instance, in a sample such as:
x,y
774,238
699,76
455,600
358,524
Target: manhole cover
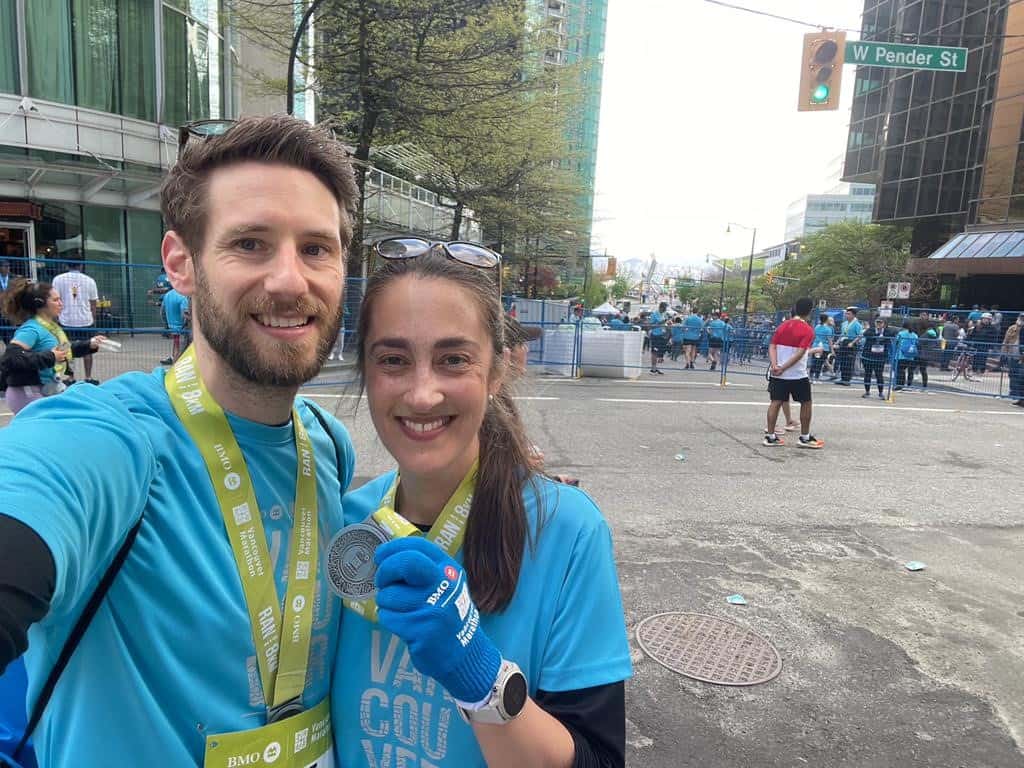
x,y
709,649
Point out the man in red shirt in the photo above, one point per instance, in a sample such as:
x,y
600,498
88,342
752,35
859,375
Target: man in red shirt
x,y
787,376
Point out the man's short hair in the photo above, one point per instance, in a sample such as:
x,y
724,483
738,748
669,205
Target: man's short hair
x,y
803,307
278,139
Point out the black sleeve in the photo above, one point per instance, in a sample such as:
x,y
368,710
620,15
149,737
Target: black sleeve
x,y
17,359
82,348
596,718
27,580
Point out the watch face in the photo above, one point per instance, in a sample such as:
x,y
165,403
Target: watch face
x,y
514,695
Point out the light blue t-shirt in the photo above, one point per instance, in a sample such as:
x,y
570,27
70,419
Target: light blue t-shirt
x,y
717,328
823,334
564,628
677,333
169,657
694,324
656,320
617,325
903,345
33,335
175,305
975,315
851,328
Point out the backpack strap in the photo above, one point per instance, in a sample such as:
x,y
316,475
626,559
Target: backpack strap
x,y
323,423
76,635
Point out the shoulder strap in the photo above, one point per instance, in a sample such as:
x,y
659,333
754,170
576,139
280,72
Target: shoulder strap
x,y
323,423
76,635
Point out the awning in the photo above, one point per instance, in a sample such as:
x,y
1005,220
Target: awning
x,y
976,253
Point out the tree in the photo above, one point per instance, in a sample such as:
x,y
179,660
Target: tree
x,y
622,286
595,295
850,261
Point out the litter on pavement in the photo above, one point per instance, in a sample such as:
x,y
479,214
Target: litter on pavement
x,y
736,600
914,565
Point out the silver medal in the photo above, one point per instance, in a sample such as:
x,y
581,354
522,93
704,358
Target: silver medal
x,y
350,566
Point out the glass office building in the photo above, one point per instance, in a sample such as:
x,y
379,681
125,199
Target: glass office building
x,y
91,92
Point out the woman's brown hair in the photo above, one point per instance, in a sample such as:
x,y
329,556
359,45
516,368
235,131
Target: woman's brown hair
x,y
23,299
496,532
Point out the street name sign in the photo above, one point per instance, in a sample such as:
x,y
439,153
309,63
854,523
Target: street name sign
x,y
898,55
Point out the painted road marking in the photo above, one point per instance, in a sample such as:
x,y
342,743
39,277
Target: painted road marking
x,y
763,403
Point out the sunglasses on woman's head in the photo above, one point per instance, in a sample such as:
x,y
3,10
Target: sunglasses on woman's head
x,y
470,254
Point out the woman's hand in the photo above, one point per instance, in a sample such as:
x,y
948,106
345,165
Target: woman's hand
x,y
423,597
94,342
59,355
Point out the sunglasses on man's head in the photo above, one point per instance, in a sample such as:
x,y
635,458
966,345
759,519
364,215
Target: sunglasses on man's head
x,y
470,254
202,129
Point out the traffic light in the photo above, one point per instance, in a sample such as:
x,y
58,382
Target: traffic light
x,y
769,278
821,71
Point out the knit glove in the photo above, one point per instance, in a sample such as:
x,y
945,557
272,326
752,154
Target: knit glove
x,y
423,597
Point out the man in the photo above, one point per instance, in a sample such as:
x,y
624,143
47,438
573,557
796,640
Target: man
x,y
79,295
1013,348
875,353
950,336
717,332
236,483
659,336
787,376
975,314
983,340
6,331
849,338
997,320
176,311
693,326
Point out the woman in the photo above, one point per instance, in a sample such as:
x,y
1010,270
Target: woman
x,y
906,355
824,333
38,354
534,584
874,353
927,351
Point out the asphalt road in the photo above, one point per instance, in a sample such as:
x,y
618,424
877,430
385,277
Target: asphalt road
x,y
882,667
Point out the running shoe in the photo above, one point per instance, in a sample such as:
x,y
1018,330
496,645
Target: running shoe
x,y
792,426
772,440
811,442
881,396
167,361
659,372
866,394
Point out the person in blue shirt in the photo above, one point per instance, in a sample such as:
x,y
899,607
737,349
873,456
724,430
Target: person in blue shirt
x,y
34,363
693,326
677,337
508,609
168,669
659,336
717,333
824,333
176,310
846,346
974,316
906,355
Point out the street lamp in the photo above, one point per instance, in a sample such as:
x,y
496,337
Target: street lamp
x,y
299,32
750,265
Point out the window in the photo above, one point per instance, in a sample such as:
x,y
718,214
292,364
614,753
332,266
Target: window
x,y
9,82
137,54
48,39
95,47
193,64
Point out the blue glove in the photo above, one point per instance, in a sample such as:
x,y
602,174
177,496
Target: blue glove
x,y
423,597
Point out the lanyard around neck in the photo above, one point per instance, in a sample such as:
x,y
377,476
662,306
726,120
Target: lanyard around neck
x,y
282,644
448,531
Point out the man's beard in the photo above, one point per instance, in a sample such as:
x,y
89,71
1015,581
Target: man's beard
x,y
228,334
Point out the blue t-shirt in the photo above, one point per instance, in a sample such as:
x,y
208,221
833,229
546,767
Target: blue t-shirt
x,y
169,657
975,315
823,334
717,329
564,628
677,333
33,335
175,305
617,325
655,320
851,329
693,324
906,343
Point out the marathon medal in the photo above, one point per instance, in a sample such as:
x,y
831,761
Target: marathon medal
x,y
350,566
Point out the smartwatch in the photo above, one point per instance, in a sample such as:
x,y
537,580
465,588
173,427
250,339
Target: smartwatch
x,y
506,700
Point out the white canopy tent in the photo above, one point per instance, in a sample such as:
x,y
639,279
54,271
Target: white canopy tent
x,y
605,309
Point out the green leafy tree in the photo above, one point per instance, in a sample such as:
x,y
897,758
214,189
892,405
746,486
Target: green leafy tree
x,y
622,286
849,261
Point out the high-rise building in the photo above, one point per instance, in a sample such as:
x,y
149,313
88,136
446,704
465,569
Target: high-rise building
x,y
945,148
840,201
578,28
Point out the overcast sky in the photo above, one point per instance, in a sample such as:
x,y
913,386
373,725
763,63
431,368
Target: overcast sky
x,y
699,125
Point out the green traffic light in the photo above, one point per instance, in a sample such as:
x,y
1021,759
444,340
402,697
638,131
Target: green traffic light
x,y
820,94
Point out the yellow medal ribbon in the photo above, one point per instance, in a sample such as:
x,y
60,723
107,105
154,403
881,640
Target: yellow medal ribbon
x,y
282,645
62,342
448,531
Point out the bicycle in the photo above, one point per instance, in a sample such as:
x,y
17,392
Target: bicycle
x,y
961,365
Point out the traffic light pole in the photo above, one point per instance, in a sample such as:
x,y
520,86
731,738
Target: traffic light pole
x,y
750,272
